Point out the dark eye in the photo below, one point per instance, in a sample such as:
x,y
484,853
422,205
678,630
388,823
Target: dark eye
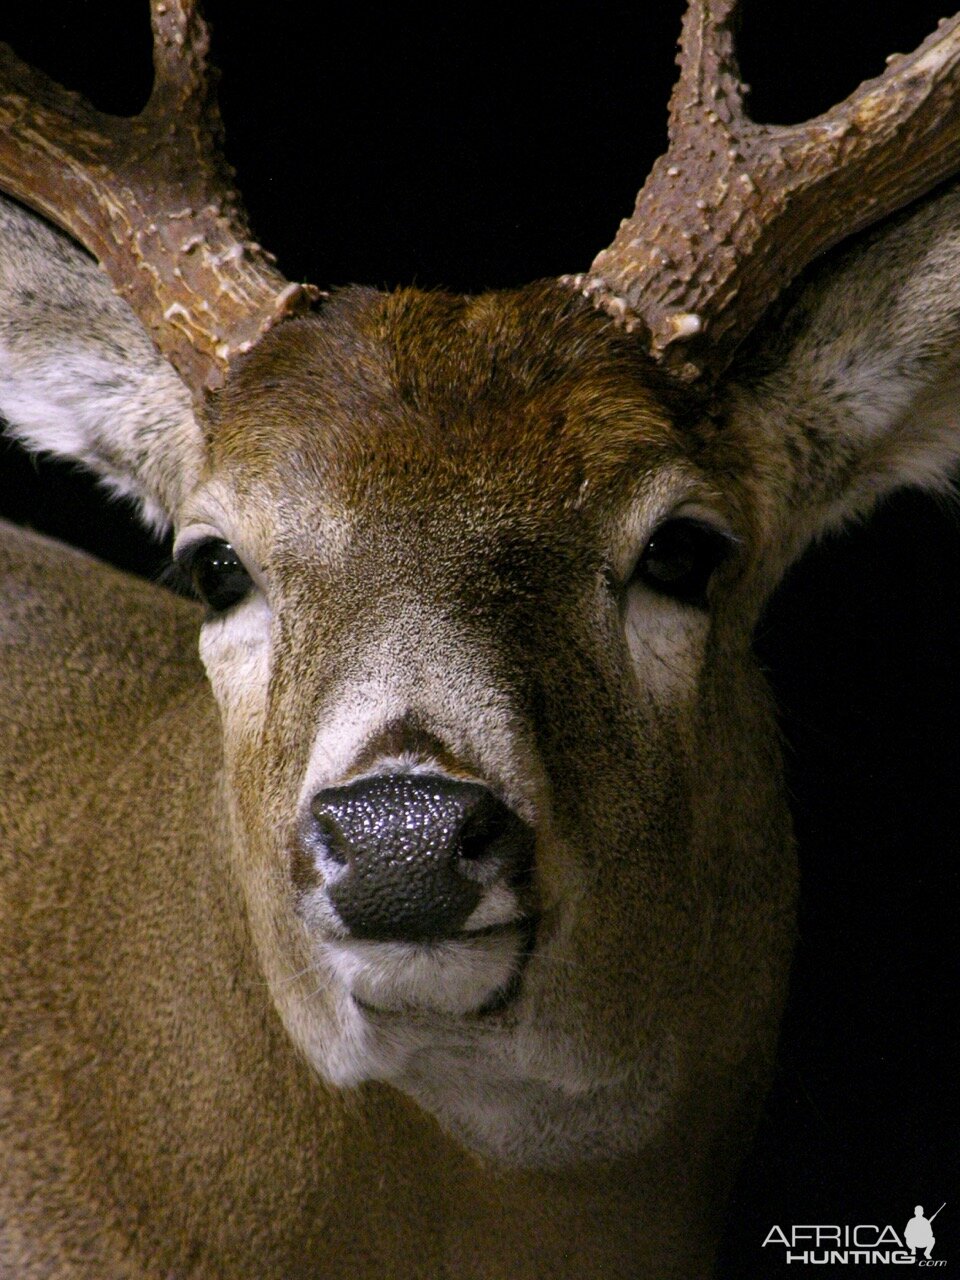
x,y
215,574
680,558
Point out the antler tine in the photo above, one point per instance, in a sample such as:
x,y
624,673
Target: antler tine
x,y
181,43
152,198
735,210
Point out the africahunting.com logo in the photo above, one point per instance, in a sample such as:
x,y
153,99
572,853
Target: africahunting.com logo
x,y
822,1244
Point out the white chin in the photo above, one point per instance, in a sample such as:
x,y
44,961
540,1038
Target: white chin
x,y
456,976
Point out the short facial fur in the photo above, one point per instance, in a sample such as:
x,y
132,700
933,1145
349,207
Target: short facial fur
x,y
442,514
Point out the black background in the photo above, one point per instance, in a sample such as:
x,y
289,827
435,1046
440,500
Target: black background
x,y
487,145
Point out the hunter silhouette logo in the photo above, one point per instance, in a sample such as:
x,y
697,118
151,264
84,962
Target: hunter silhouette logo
x,y
829,1243
918,1234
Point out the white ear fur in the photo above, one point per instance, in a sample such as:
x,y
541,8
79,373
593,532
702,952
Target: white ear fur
x,y
80,377
855,388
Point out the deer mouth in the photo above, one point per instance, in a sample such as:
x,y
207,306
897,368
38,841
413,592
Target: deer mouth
x,y
471,973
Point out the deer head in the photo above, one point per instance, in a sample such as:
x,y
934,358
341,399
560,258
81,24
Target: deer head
x,y
498,777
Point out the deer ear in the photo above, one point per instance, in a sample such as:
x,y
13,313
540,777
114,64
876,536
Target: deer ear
x,y
80,377
853,387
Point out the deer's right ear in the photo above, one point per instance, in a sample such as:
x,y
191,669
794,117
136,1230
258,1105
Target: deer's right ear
x,y
80,377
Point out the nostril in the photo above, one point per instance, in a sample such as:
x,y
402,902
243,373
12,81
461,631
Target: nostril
x,y
495,845
482,829
335,843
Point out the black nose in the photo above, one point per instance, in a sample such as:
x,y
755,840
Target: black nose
x,y
417,852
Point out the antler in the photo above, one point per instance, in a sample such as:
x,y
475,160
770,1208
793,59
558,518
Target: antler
x,y
735,210
152,198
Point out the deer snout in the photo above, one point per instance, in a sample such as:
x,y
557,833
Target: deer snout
x,y
411,857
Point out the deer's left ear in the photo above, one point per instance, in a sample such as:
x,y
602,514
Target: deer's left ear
x,y
81,379
852,388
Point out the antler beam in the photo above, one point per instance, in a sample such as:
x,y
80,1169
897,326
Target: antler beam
x,y
735,210
152,198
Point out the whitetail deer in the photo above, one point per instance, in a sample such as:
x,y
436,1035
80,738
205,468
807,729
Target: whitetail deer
x,y
448,937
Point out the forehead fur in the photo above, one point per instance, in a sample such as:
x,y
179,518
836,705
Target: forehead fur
x,y
387,381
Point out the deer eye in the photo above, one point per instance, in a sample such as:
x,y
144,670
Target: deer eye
x,y
680,558
215,574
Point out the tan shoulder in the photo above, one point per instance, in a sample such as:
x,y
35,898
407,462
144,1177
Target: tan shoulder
x,y
86,652
66,615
